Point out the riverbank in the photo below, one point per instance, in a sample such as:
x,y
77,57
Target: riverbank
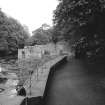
x,y
21,69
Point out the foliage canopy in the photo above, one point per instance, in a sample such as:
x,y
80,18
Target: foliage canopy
x,y
82,22
12,35
42,35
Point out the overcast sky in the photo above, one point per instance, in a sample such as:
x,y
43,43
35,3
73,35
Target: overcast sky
x,y
33,13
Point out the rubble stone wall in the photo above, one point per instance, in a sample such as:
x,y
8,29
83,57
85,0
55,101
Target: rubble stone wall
x,y
38,51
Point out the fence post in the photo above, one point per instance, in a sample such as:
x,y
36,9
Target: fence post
x,y
30,73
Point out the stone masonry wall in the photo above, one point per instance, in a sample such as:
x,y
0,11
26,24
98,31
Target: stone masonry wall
x,y
38,51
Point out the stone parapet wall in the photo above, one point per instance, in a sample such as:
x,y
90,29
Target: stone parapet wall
x,y
39,78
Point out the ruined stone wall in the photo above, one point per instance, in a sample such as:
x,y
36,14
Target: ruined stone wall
x,y
38,51
28,52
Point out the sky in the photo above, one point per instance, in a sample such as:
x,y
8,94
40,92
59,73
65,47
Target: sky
x,y
32,13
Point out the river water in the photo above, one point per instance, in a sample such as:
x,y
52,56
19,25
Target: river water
x,y
9,94
9,86
76,83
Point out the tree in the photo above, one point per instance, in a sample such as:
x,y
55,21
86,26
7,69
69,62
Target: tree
x,y
42,35
83,23
12,35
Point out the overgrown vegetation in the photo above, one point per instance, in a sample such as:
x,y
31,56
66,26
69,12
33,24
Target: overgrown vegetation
x,y
82,23
40,36
12,36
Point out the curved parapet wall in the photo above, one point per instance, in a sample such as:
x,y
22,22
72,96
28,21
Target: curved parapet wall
x,y
39,78
53,69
